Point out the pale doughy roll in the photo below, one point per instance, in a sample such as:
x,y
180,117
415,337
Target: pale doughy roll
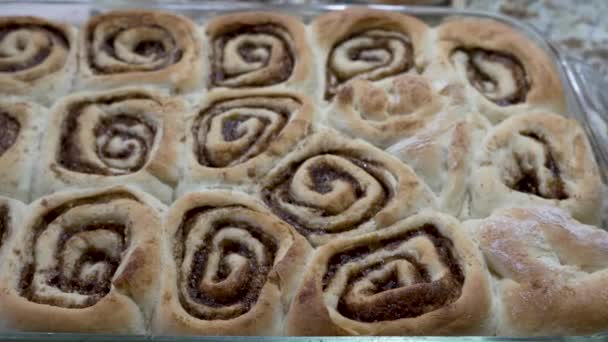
x,y
550,272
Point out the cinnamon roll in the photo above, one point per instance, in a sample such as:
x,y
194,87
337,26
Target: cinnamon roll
x,y
380,116
537,158
230,267
124,136
84,261
20,125
503,70
37,57
332,186
258,49
420,276
549,271
130,47
236,136
361,43
442,155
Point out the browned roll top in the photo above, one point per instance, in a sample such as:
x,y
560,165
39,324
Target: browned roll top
x,y
74,253
372,54
121,137
27,43
252,56
9,131
389,284
500,77
232,131
224,259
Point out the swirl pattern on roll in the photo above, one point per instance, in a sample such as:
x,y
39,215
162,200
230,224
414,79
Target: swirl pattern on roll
x,y
498,76
9,131
137,41
403,276
5,221
31,48
232,131
76,249
252,56
333,187
109,135
372,55
224,256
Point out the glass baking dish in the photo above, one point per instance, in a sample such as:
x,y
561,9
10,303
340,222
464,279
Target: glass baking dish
x,y
584,91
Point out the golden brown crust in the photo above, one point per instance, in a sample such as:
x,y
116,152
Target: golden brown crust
x,y
537,158
235,137
550,271
37,57
501,53
20,126
263,264
128,47
258,49
123,136
397,34
331,186
361,286
442,155
84,261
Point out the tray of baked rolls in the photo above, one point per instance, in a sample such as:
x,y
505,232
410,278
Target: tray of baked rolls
x,y
242,169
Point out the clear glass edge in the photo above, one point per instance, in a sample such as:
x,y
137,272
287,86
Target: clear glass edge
x,y
577,102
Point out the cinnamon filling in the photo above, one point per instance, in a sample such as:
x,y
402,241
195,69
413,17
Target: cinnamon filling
x,y
246,286
528,180
323,175
254,53
5,220
9,131
392,299
95,288
247,127
378,48
484,70
53,35
110,132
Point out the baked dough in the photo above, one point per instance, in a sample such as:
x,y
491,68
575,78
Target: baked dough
x,y
131,47
37,58
230,267
84,261
442,155
20,126
420,276
235,137
331,186
550,271
362,43
123,136
505,73
258,49
537,158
